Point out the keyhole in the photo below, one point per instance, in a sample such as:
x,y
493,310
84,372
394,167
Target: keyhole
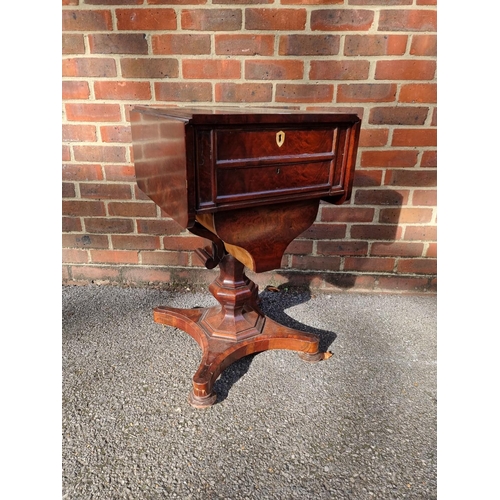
x,y
280,138
277,170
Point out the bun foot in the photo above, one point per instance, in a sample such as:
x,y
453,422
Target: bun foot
x,y
202,402
314,357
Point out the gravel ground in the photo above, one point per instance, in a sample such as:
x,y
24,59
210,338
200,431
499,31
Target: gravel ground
x,y
360,425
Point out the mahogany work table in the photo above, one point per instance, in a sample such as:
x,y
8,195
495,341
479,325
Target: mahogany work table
x,y
250,181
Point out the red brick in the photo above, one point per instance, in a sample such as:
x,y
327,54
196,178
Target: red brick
x,y
118,43
177,2
206,68
434,118
405,70
424,45
89,66
66,153
109,225
299,247
145,67
68,190
112,154
389,158
121,173
411,177
431,250
158,226
331,213
417,266
414,137
93,112
407,20
274,69
165,258
309,45
418,92
339,70
82,172
380,197
114,256
71,224
426,2
380,2
325,231
86,20
133,242
341,19
398,115
211,20
366,92
70,2
311,2
397,249
304,93
75,90
146,19
315,263
122,90
184,242
84,241
116,133
429,159
243,92
376,232
78,133
244,45
367,178
115,2
421,233
373,137
180,44
369,264
375,45
405,215
73,43
131,209
275,19
342,247
75,256
83,208
106,191
424,197
183,91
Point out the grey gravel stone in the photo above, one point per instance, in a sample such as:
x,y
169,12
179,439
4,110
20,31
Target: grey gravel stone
x,y
359,425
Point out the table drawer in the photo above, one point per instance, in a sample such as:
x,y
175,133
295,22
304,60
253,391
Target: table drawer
x,y
257,182
234,148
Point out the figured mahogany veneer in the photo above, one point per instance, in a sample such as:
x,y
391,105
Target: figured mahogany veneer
x,y
250,181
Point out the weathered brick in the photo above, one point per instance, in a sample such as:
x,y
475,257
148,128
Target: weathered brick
x,y
81,172
325,231
304,92
313,262
183,91
109,225
96,273
274,69
122,90
75,90
339,70
113,154
376,232
181,44
114,256
78,133
74,255
417,266
381,197
366,92
105,191
309,45
146,19
398,115
422,233
405,215
423,45
68,190
369,264
158,226
83,208
425,197
243,92
86,20
122,173
73,43
89,66
135,242
84,241
118,43
341,19
389,158
346,214
146,67
397,249
375,45
245,45
373,137
211,20
161,258
407,20
429,159
342,247
275,19
405,70
131,209
411,177
418,93
218,69
71,224
367,178
116,133
380,2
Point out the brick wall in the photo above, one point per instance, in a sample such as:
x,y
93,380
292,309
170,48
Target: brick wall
x,y
374,57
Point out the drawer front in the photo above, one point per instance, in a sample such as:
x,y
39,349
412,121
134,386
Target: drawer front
x,y
236,148
257,182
